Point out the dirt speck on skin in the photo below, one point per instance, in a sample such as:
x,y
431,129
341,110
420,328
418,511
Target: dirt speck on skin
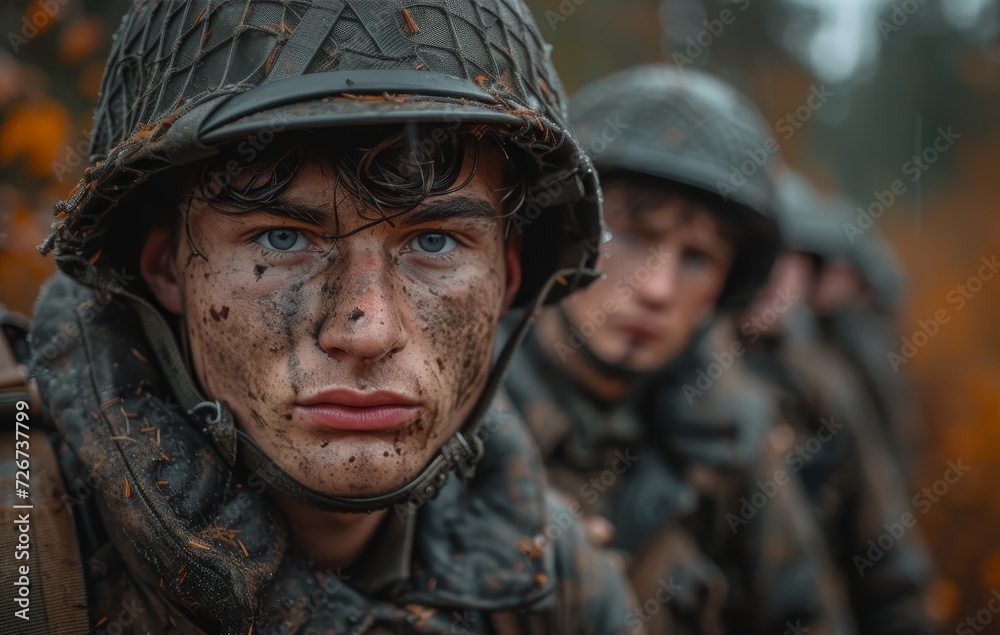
x,y
325,443
258,271
221,314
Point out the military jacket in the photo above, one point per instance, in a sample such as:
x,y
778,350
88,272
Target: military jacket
x,y
702,557
871,523
173,539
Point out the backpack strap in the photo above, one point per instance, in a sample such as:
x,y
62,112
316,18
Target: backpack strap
x,y
41,588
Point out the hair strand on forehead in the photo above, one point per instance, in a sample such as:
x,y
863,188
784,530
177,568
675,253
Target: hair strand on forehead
x,y
389,170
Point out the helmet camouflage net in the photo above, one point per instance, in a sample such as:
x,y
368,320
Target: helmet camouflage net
x,y
186,77
691,129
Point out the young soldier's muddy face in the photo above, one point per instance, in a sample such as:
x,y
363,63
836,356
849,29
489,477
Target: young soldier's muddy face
x,y
666,267
350,361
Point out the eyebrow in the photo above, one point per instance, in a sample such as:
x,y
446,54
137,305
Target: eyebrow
x,y
461,207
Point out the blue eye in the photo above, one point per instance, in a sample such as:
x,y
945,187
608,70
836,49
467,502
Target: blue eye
x,y
283,240
433,243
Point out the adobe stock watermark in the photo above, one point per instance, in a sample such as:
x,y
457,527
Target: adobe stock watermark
x,y
566,9
666,590
752,329
553,190
914,168
959,297
898,17
896,530
493,422
704,39
562,520
624,288
328,585
122,623
795,459
32,25
69,331
758,158
984,617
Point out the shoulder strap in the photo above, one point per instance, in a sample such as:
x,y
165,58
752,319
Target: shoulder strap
x,y
42,587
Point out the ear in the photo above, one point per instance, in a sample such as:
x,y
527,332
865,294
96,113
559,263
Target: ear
x,y
512,254
157,264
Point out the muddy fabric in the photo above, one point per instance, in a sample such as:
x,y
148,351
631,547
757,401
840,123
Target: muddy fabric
x,y
852,481
173,540
865,338
672,510
717,421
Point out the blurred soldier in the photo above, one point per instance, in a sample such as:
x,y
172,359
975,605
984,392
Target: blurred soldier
x,y
270,346
701,555
856,295
839,450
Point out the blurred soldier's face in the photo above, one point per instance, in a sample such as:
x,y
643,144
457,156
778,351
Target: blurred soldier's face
x,y
838,286
666,266
350,361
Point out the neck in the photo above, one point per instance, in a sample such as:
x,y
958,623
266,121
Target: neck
x,y
331,539
551,332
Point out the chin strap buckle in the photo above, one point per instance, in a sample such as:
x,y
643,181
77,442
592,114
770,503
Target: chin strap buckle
x,y
463,454
219,426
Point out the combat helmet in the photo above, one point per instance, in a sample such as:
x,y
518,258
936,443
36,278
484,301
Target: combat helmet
x,y
692,129
825,227
186,77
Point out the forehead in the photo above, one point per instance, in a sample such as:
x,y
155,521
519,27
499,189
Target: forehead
x,y
483,174
363,183
653,209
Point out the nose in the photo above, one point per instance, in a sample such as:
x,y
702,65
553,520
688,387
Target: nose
x,y
657,281
367,323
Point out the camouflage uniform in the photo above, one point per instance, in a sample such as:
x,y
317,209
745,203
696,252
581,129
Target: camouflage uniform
x,y
676,489
864,338
173,540
852,481
865,332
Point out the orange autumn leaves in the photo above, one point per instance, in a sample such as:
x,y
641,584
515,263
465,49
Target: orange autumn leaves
x,y
48,84
33,132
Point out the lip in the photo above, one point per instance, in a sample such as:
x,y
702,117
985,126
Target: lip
x,y
357,411
640,331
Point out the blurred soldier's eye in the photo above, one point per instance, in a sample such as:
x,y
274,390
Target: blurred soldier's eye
x,y
433,243
696,258
284,240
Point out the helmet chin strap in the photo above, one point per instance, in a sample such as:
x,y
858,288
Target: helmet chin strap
x,y
612,371
460,453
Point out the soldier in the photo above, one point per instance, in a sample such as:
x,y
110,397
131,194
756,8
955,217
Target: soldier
x,y
689,234
270,343
839,450
857,293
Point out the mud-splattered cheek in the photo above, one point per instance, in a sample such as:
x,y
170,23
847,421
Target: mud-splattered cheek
x,y
461,320
235,339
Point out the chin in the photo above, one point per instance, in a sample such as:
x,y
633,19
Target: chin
x,y
356,468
